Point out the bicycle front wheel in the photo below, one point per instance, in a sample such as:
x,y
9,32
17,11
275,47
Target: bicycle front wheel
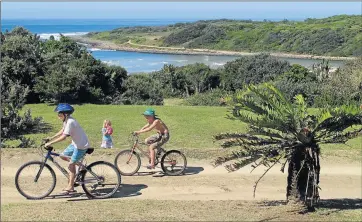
x,y
173,163
127,162
101,180
35,180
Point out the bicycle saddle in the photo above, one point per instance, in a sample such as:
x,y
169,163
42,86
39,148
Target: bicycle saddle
x,y
90,150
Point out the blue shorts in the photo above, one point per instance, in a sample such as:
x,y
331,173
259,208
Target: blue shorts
x,y
76,154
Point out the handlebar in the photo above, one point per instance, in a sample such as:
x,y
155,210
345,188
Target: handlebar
x,y
134,137
42,146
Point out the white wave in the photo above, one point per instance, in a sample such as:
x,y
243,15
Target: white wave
x,y
156,63
181,60
57,35
218,63
81,43
111,62
94,49
97,49
139,59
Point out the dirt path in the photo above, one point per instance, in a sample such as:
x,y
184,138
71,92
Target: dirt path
x,y
201,182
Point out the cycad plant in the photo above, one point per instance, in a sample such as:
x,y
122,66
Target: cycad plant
x,y
283,132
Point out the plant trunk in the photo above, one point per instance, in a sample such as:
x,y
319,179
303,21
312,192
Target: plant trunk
x,y
303,176
187,91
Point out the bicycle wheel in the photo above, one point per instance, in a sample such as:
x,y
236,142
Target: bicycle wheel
x,y
173,163
35,180
101,180
127,162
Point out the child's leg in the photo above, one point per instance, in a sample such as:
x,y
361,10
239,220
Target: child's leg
x,y
67,153
77,156
152,155
71,168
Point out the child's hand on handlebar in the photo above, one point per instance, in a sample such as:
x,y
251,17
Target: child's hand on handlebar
x,y
45,140
135,133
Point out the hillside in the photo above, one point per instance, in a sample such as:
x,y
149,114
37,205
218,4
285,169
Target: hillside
x,y
333,36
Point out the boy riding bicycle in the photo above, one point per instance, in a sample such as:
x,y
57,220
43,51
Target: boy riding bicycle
x,y
77,149
157,140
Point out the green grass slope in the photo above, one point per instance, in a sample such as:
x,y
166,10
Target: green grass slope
x,y
333,36
191,128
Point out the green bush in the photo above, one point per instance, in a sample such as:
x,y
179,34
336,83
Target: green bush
x,y
343,87
14,125
214,97
252,69
140,89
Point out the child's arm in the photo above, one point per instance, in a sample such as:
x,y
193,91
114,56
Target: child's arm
x,y
149,128
57,134
60,138
145,126
64,133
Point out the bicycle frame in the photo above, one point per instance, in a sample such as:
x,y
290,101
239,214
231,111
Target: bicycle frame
x,y
135,146
49,156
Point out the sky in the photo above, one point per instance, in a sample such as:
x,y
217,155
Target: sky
x,y
177,10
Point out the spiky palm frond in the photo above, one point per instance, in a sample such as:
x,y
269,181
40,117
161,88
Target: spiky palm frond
x,y
333,123
277,125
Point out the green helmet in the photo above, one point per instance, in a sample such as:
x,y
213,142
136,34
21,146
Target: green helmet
x,y
149,112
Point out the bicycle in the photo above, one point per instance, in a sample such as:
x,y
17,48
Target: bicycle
x,y
169,163
90,177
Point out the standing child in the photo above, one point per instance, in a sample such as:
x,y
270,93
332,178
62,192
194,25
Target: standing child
x,y
107,132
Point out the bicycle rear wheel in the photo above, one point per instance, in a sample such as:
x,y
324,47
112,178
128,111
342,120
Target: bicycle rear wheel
x,y
173,163
35,180
101,180
127,162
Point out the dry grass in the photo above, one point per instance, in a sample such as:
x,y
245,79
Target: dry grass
x,y
160,210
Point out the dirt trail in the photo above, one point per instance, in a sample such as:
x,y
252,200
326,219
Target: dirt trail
x,y
201,182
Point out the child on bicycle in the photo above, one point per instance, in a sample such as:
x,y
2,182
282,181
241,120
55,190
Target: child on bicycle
x,y
157,140
107,132
77,149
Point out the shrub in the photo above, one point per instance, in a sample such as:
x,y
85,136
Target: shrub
x,y
214,97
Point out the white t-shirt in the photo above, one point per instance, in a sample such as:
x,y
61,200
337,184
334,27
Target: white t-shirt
x,y
79,139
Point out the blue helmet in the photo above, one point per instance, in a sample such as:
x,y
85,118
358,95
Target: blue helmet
x,y
64,108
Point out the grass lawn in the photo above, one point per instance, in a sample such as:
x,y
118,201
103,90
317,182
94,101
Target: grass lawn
x,y
191,127
168,210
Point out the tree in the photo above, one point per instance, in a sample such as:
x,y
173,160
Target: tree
x,y
14,125
252,69
200,77
21,58
299,80
281,130
140,90
170,80
348,81
321,70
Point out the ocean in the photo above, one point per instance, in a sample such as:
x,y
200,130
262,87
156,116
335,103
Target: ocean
x,y
133,62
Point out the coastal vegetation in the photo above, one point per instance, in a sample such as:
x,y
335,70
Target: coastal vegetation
x,y
333,36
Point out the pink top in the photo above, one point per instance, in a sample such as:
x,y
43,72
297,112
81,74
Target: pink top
x,y
109,130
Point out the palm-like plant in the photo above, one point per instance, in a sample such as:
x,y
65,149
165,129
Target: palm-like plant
x,y
284,132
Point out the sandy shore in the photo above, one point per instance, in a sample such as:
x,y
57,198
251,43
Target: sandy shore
x,y
132,47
